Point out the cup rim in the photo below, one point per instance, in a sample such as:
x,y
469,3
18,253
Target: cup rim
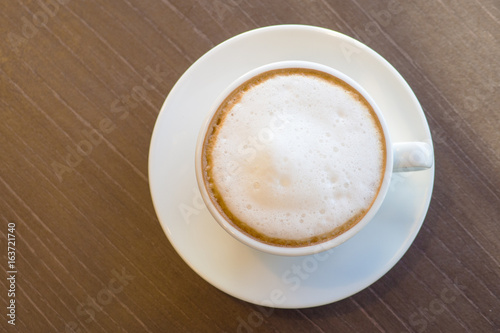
x,y
276,249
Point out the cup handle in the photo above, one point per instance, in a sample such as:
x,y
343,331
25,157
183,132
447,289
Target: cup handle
x,y
412,156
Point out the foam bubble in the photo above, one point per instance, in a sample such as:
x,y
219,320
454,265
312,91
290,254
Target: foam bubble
x,y
317,170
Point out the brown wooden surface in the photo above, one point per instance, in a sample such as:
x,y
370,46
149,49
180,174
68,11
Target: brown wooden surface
x,y
66,67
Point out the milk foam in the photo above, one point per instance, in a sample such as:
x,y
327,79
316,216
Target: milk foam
x,y
297,157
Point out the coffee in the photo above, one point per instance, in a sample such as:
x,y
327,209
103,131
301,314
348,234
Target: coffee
x,y
294,157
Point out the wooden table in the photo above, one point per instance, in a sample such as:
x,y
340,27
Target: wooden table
x,y
82,84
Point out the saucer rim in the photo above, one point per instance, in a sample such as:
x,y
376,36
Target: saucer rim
x,y
199,63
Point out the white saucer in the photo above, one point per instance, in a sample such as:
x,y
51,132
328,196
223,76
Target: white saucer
x,y
284,282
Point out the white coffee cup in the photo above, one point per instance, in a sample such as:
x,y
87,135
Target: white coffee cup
x,y
399,157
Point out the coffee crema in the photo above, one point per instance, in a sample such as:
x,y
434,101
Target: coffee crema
x,y
294,157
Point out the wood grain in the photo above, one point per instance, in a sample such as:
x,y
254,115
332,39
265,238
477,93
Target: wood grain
x,y
81,85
